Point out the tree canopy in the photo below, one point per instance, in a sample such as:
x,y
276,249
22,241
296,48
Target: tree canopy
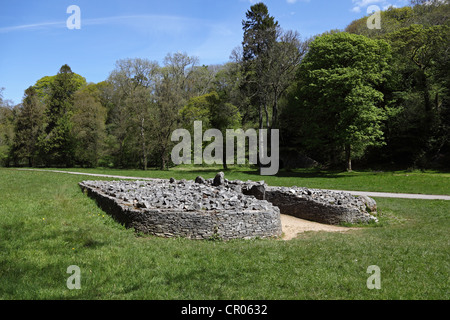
x,y
355,97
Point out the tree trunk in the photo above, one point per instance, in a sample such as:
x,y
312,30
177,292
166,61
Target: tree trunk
x,y
224,162
144,151
261,125
163,159
426,92
348,156
275,111
267,115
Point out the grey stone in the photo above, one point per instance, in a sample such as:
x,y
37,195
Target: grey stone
x,y
370,203
219,179
230,209
200,180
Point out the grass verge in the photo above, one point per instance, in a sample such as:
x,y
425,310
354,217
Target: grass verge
x,y
47,225
429,182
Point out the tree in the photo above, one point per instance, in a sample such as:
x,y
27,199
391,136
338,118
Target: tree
x,y
338,101
278,68
270,59
260,35
7,119
43,86
214,113
417,89
88,127
228,83
133,83
57,143
421,47
28,128
140,104
171,94
201,80
421,58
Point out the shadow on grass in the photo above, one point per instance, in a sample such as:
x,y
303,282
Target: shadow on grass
x,y
298,173
306,174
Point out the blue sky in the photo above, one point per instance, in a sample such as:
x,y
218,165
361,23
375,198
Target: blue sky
x,y
35,40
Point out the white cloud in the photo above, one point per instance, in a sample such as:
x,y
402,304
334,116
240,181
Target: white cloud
x,y
32,26
359,5
388,6
168,24
365,3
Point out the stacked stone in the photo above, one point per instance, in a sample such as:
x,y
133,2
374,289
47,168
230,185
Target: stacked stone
x,y
203,209
217,207
324,206
180,195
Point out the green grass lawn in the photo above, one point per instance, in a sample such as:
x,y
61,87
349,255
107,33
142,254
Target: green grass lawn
x,y
47,224
429,182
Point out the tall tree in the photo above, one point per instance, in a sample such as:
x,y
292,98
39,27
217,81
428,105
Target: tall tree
x,y
43,86
339,104
28,127
171,94
88,126
270,58
260,35
57,143
133,83
7,119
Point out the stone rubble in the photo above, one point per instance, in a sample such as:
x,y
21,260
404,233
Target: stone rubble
x,y
204,208
180,195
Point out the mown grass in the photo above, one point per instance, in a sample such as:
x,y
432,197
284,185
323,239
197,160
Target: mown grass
x,y
429,182
48,224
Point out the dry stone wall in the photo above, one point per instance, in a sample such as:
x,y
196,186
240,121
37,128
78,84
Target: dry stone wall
x,y
185,209
219,208
322,206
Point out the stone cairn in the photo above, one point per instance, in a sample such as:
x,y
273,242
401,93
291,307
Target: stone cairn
x,y
220,208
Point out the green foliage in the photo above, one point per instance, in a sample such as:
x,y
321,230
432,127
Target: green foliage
x,y
29,126
43,86
88,126
420,88
6,134
57,144
214,113
259,31
197,109
337,98
347,98
393,19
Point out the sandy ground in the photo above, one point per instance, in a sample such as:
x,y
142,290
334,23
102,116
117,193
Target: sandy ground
x,y
292,226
